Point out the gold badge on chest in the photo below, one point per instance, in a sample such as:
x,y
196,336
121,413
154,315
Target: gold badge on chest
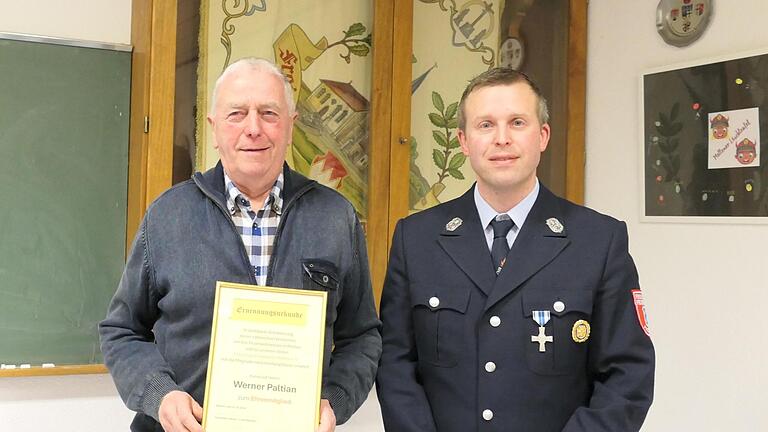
x,y
580,331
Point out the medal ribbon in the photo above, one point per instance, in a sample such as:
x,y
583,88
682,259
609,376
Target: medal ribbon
x,y
541,317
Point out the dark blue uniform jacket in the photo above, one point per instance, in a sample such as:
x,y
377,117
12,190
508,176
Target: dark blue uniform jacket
x,y
466,362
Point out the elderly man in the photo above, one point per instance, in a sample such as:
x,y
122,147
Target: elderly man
x,y
251,219
508,308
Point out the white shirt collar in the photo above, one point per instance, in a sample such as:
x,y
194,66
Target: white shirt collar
x,y
518,213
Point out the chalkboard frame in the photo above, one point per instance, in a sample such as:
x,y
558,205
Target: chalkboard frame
x,y
29,370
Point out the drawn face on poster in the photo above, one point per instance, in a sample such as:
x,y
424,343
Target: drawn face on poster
x,y
734,141
746,152
719,125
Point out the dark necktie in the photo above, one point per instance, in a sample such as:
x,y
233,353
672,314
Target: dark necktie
x,y
500,247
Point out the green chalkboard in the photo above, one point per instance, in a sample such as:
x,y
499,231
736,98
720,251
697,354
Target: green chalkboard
x,y
63,195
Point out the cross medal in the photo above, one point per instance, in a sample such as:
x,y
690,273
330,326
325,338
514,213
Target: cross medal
x,y
541,318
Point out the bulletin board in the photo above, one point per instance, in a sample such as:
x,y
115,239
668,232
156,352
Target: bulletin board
x,y
703,156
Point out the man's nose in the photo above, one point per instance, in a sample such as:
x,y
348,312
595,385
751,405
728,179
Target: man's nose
x,y
503,136
252,125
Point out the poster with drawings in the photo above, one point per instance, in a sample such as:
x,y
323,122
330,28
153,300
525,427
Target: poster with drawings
x,y
702,158
734,139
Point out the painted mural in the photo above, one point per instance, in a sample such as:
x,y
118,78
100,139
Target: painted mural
x,y
452,42
455,40
324,50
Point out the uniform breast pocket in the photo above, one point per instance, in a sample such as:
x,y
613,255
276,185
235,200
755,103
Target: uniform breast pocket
x,y
321,275
563,345
439,323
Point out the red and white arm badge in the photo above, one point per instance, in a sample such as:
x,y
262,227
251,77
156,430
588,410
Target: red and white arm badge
x,y
642,317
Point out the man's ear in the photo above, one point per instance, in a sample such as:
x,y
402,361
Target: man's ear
x,y
462,141
212,124
544,134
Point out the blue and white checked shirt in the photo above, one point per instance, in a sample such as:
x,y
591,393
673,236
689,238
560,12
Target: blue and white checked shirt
x,y
257,229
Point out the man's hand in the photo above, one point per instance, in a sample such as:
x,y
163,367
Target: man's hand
x,y
327,417
180,413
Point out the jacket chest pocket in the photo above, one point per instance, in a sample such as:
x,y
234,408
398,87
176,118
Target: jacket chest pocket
x,y
563,345
321,275
439,323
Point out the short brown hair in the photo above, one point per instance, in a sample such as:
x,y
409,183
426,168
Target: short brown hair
x,y
502,76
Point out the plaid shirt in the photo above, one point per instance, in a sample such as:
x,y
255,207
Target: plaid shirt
x,y
257,229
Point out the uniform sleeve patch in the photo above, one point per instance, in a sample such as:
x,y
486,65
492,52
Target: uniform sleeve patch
x,y
642,317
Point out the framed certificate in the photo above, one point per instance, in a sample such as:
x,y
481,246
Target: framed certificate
x,y
265,360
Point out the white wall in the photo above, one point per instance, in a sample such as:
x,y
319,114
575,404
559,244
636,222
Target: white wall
x,y
69,403
102,20
705,284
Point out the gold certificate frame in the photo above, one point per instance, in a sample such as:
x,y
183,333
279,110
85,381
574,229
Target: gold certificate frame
x,y
265,361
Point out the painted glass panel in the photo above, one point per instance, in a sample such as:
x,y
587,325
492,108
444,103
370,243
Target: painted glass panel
x,y
324,50
455,40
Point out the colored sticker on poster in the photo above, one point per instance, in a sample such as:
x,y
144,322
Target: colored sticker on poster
x,y
734,139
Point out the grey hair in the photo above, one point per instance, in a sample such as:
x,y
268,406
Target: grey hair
x,y
256,64
502,76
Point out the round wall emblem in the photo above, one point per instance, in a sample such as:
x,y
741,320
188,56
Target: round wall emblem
x,y
512,53
680,22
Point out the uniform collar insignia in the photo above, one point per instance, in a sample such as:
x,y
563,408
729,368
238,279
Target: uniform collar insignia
x,y
554,225
453,224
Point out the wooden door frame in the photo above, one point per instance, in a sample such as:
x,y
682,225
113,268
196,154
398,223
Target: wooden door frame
x,y
390,130
577,101
153,87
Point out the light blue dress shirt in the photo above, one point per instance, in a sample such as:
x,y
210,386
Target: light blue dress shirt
x,y
518,214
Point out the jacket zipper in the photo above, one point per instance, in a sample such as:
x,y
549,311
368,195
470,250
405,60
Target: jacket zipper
x,y
286,208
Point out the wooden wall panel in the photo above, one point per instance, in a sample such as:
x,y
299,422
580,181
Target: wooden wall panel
x,y
153,68
381,117
400,149
577,96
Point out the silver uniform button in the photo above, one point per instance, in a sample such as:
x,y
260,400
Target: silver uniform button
x,y
495,321
559,306
325,278
487,414
490,367
434,302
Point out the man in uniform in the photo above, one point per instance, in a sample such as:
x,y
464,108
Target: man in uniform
x,y
253,220
509,308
